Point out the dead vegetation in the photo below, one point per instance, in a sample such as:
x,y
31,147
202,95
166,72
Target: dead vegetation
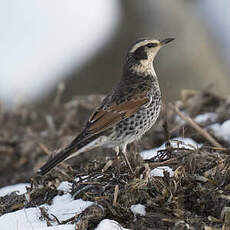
x,y
197,197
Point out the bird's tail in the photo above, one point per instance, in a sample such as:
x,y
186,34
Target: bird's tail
x,y
53,161
77,146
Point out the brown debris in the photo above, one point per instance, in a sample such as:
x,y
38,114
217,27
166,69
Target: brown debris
x,y
197,197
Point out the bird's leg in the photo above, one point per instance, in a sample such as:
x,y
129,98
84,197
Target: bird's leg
x,y
117,151
126,158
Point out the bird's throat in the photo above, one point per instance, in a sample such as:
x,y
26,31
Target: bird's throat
x,y
144,68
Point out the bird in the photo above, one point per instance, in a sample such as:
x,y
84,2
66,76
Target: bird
x,y
126,113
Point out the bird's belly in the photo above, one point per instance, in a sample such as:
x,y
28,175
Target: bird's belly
x,y
133,128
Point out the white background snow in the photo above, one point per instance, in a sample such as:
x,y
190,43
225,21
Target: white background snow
x,y
42,40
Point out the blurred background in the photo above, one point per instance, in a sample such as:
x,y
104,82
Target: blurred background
x,y
83,44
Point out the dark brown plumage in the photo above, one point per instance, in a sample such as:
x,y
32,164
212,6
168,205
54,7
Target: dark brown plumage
x,y
127,112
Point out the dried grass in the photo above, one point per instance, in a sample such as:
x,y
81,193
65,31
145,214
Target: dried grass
x,y
197,197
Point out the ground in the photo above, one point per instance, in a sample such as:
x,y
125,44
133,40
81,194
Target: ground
x,y
181,182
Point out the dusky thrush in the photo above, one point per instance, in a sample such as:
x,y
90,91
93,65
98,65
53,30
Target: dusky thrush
x,y
125,114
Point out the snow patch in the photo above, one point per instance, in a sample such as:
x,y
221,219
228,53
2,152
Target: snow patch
x,y
159,171
63,207
59,227
108,224
25,219
19,188
179,142
138,209
222,130
65,186
202,118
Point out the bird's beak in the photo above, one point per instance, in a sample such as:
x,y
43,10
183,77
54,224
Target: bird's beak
x,y
165,41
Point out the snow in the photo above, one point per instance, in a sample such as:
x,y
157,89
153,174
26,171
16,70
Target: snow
x,y
42,41
65,186
175,142
138,209
63,207
19,188
179,120
24,219
59,227
108,224
222,130
202,118
159,171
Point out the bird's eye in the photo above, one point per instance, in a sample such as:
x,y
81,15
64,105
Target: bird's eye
x,y
150,45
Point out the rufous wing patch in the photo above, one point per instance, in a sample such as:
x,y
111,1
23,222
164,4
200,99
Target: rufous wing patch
x,y
103,119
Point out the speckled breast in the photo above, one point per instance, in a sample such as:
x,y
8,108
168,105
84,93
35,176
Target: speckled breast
x,y
132,128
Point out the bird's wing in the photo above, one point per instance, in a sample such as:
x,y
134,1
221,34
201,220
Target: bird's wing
x,y
109,114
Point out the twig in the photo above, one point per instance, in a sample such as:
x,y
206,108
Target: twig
x,y
55,218
70,219
116,190
171,161
218,149
107,165
59,93
50,123
44,148
194,125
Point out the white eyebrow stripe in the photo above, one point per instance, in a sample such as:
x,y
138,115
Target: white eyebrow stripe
x,y
142,43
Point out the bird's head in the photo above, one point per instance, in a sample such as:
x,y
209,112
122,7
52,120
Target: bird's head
x,y
144,51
